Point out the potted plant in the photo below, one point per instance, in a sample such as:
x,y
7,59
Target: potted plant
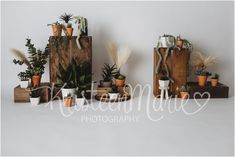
x,y
201,62
164,81
35,96
24,80
68,100
66,18
184,91
120,80
202,76
113,95
179,42
214,80
108,72
67,79
56,28
35,62
80,100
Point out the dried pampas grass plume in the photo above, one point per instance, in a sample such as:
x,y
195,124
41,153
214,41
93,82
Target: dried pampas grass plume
x,y
199,60
21,56
119,55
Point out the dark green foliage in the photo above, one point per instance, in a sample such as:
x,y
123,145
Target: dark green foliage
x,y
66,17
201,72
164,78
120,76
216,76
35,92
114,89
18,62
23,76
184,88
108,72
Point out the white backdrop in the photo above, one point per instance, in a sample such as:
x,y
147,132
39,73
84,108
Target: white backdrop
x,y
208,25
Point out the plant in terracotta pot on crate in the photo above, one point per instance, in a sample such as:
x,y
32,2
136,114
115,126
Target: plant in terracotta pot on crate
x,y
184,91
35,95
68,26
201,63
35,62
68,100
120,80
202,76
214,80
56,28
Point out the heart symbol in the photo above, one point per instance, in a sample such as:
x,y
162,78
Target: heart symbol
x,y
201,95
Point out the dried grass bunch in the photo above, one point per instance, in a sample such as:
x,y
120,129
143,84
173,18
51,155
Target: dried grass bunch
x,y
119,55
201,61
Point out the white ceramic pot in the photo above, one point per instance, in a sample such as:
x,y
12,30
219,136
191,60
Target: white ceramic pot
x,y
68,91
24,84
80,101
113,96
164,83
35,101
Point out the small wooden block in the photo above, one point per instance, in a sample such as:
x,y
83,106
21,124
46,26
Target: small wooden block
x,y
220,91
22,94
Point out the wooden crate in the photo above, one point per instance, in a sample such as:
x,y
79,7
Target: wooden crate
x,y
64,55
178,66
220,91
22,94
106,90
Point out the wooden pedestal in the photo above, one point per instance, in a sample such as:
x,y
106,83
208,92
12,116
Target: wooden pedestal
x,y
220,91
22,94
178,65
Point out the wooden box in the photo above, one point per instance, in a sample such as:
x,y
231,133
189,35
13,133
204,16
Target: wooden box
x,y
22,94
198,92
63,49
178,66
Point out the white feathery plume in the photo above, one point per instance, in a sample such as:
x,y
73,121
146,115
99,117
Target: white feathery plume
x,y
122,55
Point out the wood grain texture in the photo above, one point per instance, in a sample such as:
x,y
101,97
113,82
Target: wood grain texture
x,y
64,56
219,91
22,94
178,65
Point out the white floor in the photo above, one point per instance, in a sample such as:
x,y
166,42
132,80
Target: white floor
x,y
38,130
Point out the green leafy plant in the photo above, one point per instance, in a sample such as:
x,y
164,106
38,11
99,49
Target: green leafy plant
x,y
184,88
68,77
108,72
23,76
35,61
216,76
120,76
35,92
202,72
114,89
66,17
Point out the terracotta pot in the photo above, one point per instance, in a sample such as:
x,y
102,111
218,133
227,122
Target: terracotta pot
x,y
214,82
184,95
69,32
179,43
36,80
119,83
201,80
57,30
68,102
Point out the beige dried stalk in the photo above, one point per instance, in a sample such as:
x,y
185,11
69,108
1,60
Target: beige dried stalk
x,y
201,61
21,56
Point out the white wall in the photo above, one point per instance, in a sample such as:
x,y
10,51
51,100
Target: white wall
x,y
208,25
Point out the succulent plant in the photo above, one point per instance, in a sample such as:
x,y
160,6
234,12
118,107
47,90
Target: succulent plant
x,y
108,72
184,88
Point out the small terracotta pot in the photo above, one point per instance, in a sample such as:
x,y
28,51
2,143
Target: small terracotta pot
x,y
69,32
57,30
184,95
214,82
179,43
36,80
68,102
119,83
201,80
